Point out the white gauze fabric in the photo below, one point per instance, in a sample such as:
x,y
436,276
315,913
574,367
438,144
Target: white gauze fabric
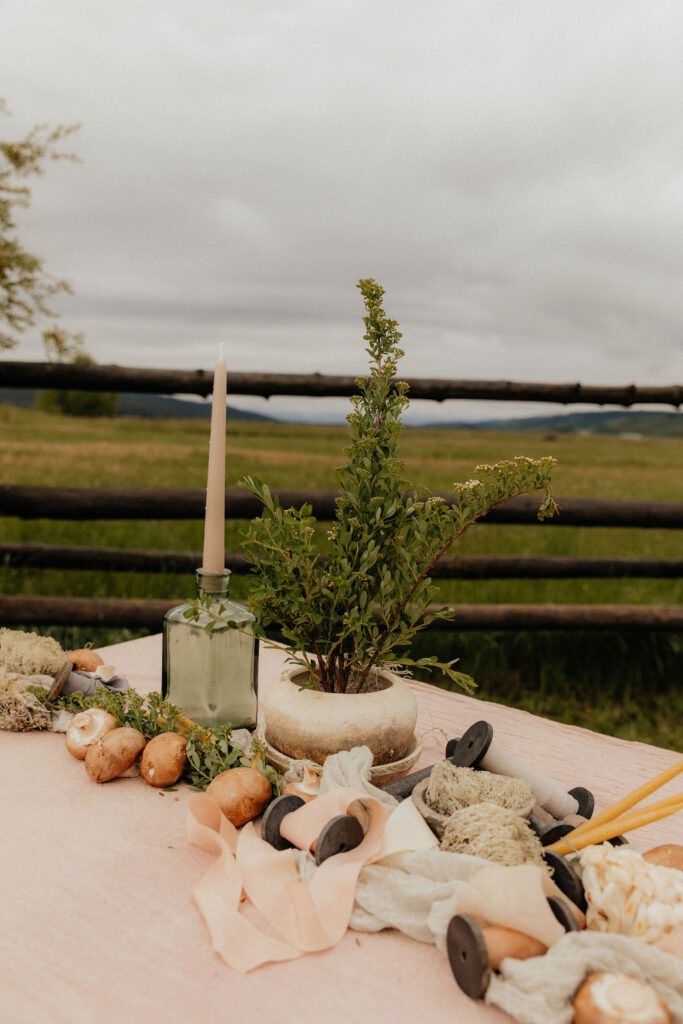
x,y
541,990
417,892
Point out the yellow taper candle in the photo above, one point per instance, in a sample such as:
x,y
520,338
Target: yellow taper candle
x,y
626,823
214,522
629,801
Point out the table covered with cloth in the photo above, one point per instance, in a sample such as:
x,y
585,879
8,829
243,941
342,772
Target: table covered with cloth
x,y
98,922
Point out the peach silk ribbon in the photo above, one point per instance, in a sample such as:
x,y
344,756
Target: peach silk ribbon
x,y
309,916
515,897
314,915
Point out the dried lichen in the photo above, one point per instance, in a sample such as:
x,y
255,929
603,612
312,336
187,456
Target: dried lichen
x,y
494,833
25,659
20,711
451,789
30,653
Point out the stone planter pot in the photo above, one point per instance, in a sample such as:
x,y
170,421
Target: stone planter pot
x,y
311,724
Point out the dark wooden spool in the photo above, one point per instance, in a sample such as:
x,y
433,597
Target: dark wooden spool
x,y
471,749
469,956
339,835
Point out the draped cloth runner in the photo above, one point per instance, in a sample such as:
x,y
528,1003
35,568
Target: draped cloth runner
x,y
307,915
406,883
309,909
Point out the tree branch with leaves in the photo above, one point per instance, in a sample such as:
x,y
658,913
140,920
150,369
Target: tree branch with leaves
x,y
360,608
26,286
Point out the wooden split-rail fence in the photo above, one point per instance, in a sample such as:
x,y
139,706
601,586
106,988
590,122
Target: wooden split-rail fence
x,y
80,504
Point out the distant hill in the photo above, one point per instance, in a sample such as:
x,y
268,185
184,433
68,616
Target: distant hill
x,y
147,406
651,424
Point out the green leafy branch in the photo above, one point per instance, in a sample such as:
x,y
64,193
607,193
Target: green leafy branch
x,y
360,607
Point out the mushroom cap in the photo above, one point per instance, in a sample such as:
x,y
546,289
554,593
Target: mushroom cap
x,y
241,794
612,998
163,759
113,754
85,728
84,659
668,856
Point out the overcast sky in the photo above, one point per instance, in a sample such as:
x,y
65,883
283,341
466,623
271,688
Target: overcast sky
x,y
511,172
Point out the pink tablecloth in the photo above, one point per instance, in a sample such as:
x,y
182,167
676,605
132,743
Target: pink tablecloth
x,y
98,925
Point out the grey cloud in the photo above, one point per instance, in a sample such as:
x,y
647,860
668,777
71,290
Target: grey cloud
x,y
512,174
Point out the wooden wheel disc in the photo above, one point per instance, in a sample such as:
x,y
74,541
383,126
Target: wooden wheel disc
x,y
584,799
551,833
272,819
563,913
468,955
566,879
473,745
340,835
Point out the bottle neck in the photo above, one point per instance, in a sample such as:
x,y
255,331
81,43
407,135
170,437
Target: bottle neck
x,y
213,584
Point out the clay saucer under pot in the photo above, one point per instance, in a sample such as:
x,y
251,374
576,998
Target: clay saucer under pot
x,y
436,821
380,774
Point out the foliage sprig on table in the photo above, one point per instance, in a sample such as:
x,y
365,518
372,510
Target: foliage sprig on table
x,y
360,607
209,752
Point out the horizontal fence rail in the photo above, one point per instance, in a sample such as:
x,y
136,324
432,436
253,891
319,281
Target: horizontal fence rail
x,y
267,385
148,614
463,567
84,503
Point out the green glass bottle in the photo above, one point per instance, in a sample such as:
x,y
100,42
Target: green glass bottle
x,y
212,676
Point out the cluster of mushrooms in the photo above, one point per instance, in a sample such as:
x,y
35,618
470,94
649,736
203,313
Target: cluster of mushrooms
x,y
110,751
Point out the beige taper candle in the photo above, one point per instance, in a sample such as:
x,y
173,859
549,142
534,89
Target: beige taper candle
x,y
214,522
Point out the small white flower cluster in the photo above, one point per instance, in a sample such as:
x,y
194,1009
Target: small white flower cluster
x,y
469,485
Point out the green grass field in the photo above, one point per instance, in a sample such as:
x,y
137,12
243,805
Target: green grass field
x,y
627,684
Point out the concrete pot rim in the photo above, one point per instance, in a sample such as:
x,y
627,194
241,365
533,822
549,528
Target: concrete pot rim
x,y
312,724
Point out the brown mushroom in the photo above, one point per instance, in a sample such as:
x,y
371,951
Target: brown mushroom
x,y
668,856
163,759
84,660
113,754
611,998
241,794
87,727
